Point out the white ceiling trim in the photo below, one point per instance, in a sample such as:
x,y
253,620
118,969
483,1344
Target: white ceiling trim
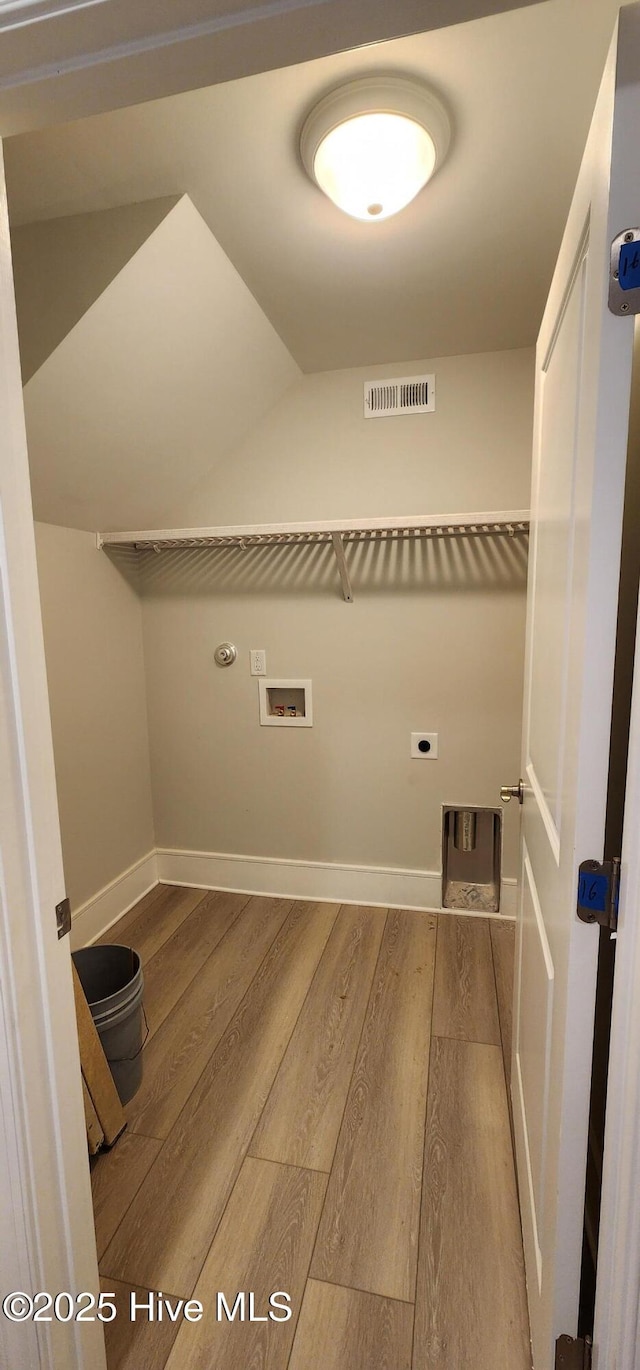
x,y
149,42
20,14
124,56
15,14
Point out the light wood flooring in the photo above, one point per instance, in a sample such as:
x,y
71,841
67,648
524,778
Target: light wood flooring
x,y
323,1112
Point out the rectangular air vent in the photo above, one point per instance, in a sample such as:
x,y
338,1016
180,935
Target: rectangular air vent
x,y
401,395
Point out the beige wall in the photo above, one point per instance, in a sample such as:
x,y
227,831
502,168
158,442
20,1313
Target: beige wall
x,y
60,266
345,790
93,644
434,640
315,456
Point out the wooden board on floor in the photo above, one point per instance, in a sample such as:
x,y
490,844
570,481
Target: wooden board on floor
x,y
115,1179
138,1344
175,1058
165,1236
368,1235
150,923
301,1121
263,1244
464,998
95,1070
471,1307
95,1135
344,1329
168,974
503,943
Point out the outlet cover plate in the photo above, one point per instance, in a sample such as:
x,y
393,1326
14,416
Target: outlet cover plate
x,y
420,754
258,658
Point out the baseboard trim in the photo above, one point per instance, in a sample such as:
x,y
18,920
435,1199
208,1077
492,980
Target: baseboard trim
x,y
319,881
274,877
97,915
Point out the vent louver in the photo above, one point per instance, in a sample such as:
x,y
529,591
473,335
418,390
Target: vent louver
x,y
401,395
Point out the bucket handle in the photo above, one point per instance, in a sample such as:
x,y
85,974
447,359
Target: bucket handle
x,y
119,1060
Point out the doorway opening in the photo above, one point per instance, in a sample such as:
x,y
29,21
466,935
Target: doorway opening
x,y
494,580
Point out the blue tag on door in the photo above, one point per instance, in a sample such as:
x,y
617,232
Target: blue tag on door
x,y
629,266
593,891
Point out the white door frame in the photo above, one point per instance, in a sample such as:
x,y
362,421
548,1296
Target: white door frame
x,y
47,1225
30,874
617,1322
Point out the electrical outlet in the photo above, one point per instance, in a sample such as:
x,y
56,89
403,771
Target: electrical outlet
x,y
424,746
258,658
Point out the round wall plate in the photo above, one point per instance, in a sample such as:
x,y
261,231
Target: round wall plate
x,y
225,654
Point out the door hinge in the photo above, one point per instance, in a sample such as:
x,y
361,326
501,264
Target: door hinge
x,y
624,273
573,1353
598,892
63,918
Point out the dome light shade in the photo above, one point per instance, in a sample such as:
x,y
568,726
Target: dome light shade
x,y
373,165
372,145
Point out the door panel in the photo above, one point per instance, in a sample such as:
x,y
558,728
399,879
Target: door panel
x,y
559,401
534,1043
583,375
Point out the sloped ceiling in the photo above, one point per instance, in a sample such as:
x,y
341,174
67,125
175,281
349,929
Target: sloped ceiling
x,y
166,372
61,266
171,365
465,268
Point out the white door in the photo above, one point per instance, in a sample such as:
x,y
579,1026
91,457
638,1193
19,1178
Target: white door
x,y
46,1226
583,375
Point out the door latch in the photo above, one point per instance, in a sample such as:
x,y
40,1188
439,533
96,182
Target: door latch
x,y
598,892
63,918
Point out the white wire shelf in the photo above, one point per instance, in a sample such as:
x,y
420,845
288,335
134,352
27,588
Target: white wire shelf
x,y
258,535
337,532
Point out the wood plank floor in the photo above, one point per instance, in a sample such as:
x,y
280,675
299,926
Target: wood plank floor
x,y
368,1236
470,1300
323,1113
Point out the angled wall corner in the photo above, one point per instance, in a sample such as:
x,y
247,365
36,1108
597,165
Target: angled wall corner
x,y
166,372
61,266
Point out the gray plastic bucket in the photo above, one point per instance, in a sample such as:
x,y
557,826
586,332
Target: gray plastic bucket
x,y
111,977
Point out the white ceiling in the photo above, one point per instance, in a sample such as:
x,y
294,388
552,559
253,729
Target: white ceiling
x,y
464,269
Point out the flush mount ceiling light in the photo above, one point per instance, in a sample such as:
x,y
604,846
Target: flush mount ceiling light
x,y
372,145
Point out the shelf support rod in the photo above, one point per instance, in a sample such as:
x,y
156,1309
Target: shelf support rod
x,y
338,547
